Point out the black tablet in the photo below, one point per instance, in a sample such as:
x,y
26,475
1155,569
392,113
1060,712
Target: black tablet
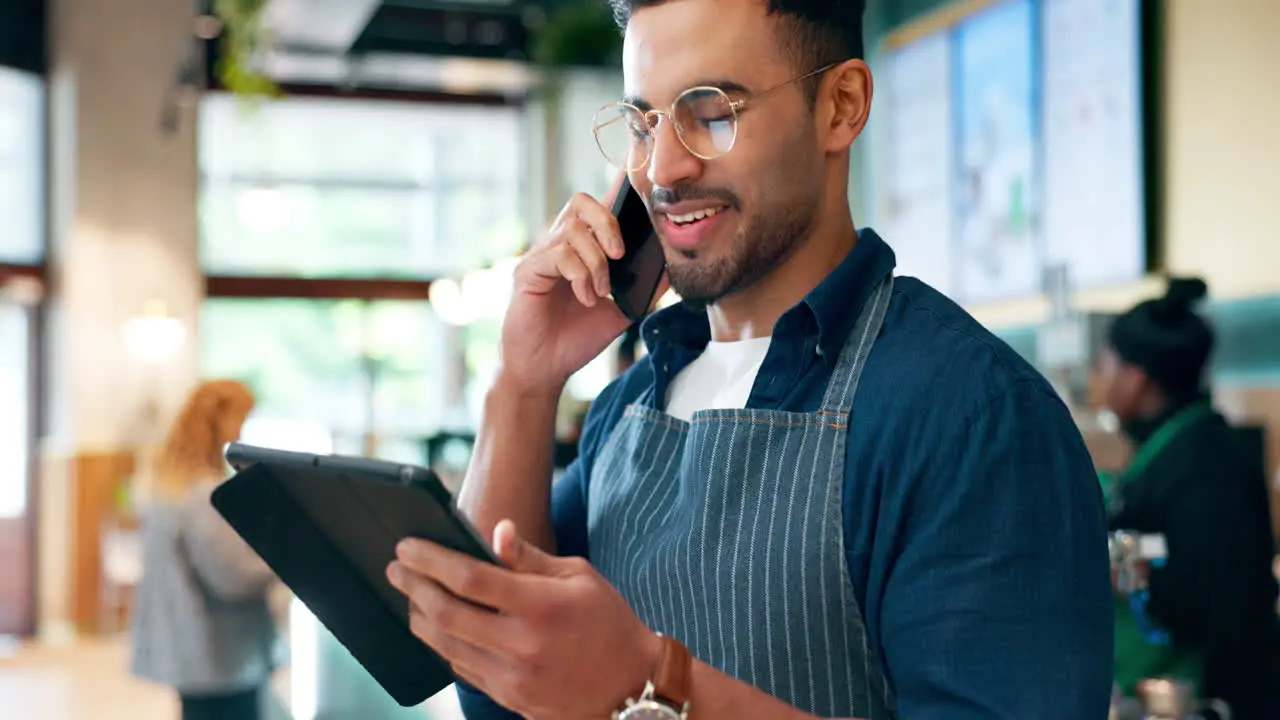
x,y
328,526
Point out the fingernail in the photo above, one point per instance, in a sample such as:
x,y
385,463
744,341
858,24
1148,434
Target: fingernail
x,y
395,573
404,548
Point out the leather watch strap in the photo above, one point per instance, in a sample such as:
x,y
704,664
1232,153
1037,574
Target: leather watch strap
x,y
673,678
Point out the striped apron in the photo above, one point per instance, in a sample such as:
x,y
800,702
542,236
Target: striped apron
x,y
727,532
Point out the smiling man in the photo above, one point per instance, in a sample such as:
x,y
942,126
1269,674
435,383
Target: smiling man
x,y
825,492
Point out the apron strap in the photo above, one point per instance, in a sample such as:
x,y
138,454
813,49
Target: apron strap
x,y
853,357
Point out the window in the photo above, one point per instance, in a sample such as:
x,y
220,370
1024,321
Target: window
x,y
21,167
483,339
320,188
354,369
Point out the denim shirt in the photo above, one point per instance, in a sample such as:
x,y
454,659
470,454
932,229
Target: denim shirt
x,y
974,525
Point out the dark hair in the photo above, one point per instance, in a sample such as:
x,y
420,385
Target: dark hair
x,y
813,32
1167,338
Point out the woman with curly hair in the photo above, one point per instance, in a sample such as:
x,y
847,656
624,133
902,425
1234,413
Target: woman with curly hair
x,y
202,623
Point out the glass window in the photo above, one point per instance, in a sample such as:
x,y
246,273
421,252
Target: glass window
x,y
21,167
14,410
483,340
322,188
359,370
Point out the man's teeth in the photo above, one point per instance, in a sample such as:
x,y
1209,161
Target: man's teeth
x,y
693,216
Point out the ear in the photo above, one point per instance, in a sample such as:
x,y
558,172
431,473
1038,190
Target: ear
x,y
847,92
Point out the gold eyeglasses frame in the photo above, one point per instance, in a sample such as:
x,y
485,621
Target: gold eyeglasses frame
x,y
653,117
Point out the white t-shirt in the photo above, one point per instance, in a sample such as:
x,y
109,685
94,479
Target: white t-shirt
x,y
720,378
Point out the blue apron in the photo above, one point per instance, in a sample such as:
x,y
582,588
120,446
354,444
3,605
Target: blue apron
x,y
727,532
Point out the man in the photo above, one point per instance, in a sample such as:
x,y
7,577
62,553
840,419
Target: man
x,y
833,487
1196,481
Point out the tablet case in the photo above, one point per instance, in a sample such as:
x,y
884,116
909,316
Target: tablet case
x,y
329,533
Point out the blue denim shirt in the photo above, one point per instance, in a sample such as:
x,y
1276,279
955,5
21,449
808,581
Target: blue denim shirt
x,y
974,523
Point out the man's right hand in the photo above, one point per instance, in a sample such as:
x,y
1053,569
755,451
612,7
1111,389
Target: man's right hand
x,y
561,315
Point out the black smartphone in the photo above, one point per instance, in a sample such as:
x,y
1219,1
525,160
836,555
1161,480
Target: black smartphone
x,y
636,276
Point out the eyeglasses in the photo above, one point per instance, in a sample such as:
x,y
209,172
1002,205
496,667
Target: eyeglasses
x,y
705,119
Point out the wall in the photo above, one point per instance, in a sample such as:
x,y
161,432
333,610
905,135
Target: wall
x,y
1223,143
123,226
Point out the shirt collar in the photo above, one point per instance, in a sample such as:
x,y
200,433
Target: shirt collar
x,y
830,309
838,300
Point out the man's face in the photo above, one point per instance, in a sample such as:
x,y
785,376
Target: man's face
x,y
766,191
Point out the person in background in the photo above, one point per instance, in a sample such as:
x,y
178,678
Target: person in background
x,y
202,623
1195,481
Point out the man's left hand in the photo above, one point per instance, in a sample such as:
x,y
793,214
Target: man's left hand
x,y
544,636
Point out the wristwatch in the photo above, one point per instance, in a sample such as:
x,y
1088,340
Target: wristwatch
x,y
666,695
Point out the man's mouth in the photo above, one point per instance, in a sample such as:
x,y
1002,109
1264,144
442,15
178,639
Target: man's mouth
x,y
690,218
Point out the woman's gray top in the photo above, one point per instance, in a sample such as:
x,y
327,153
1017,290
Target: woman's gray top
x,y
201,622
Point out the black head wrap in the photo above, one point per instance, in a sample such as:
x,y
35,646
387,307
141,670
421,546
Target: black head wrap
x,y
1166,338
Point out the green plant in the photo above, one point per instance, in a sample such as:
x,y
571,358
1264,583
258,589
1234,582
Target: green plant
x,y
244,37
581,33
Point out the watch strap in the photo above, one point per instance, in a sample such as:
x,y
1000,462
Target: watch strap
x,y
673,677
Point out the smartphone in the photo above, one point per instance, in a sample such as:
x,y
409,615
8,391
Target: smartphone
x,y
636,275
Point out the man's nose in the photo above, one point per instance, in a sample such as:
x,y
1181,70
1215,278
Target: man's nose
x,y
671,162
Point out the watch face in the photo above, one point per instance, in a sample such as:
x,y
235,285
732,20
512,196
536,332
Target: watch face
x,y
649,710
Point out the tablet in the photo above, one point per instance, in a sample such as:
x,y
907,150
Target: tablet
x,y
328,526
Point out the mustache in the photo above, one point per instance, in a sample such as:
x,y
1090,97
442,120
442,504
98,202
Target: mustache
x,y
689,191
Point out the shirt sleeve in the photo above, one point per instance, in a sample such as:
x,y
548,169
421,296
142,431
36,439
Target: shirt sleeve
x,y
996,597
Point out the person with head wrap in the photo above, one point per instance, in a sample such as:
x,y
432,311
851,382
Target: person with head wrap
x,y
1196,482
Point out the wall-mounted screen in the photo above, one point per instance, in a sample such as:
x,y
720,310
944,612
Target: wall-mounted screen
x,y
21,166
996,193
1093,149
1012,140
914,159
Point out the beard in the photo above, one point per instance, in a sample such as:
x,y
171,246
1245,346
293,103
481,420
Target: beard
x,y
754,251
763,241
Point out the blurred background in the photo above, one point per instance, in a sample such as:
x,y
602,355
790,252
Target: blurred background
x,y
324,199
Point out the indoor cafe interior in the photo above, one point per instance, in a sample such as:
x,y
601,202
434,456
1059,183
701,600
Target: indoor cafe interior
x,y
325,201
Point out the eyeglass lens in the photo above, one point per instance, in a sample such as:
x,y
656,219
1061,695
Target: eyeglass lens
x,y
705,120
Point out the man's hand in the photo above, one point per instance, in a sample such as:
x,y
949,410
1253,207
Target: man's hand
x,y
560,316
546,637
